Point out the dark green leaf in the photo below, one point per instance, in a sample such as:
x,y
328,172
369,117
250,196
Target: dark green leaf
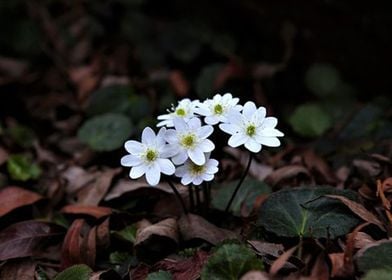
x,y
304,212
378,256
230,261
249,191
22,135
160,275
106,132
21,168
310,120
128,233
76,272
378,274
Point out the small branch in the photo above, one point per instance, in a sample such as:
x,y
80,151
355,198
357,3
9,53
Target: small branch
x,y
178,196
239,183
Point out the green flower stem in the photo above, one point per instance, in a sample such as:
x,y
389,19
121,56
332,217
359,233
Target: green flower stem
x,y
240,182
191,198
179,198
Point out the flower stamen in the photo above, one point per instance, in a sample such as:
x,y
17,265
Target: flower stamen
x,y
151,155
218,109
180,112
251,130
188,141
196,169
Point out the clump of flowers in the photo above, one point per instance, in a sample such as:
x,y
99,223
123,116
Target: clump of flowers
x,y
182,147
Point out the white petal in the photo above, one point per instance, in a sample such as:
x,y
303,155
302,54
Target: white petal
x,y
130,160
237,140
229,128
249,109
180,124
186,180
133,147
180,158
207,177
269,141
194,123
270,122
197,180
169,150
166,166
137,171
153,174
212,120
271,132
207,146
171,136
253,146
180,171
197,156
203,110
212,163
148,136
205,131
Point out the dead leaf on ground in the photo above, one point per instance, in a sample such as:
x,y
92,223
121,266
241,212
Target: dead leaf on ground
x,y
18,270
269,251
76,177
3,155
290,174
26,239
320,270
103,234
255,275
363,239
13,197
184,269
367,168
318,165
95,191
195,227
359,210
154,241
282,260
94,211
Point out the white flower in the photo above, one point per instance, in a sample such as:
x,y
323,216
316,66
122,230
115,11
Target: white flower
x,y
196,174
190,140
218,108
184,110
149,157
252,128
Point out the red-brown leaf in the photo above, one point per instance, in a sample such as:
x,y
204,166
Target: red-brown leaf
x,y
25,238
94,211
18,270
13,197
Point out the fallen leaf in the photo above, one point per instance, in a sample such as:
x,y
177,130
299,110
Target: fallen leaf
x,y
3,155
18,270
320,270
94,211
154,241
13,197
76,178
363,239
26,239
359,210
281,261
255,275
103,234
318,165
367,168
184,269
195,227
266,249
292,174
95,191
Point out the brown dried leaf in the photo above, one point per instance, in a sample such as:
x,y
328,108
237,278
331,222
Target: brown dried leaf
x,y
266,248
3,155
94,211
13,197
317,164
193,226
359,210
363,239
295,174
255,275
103,235
184,269
76,177
281,261
320,270
72,247
338,265
18,270
367,168
25,239
95,191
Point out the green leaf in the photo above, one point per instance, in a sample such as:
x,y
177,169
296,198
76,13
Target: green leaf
x,y
230,261
76,272
128,233
304,212
310,120
106,132
21,168
160,275
110,99
377,256
205,81
378,274
248,193
322,79
22,135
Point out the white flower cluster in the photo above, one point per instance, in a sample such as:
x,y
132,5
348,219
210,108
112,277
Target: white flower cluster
x,y
181,146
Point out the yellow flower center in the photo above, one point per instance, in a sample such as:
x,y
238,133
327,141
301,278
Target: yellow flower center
x,y
180,112
251,130
151,155
196,169
188,141
218,109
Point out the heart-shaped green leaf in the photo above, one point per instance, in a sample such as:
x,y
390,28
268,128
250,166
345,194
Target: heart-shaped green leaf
x,y
76,272
21,168
160,275
305,212
106,132
230,261
378,256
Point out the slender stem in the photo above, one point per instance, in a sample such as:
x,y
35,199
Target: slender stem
x,y
239,183
178,195
191,198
